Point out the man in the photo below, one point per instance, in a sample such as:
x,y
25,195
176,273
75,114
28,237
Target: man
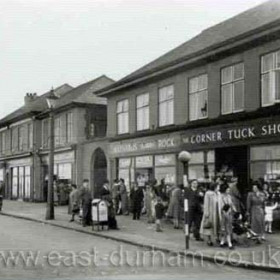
x,y
124,198
86,198
74,207
116,195
195,210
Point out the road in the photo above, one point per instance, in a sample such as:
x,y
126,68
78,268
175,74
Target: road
x,y
31,250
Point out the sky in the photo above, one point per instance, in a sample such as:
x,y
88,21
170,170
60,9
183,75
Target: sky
x,y
45,43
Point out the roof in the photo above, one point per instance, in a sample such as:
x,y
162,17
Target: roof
x,y
38,105
243,23
83,94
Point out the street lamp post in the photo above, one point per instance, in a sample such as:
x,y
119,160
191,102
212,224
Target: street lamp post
x,y
51,100
185,157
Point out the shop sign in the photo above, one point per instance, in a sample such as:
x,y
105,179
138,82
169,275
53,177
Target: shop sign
x,y
145,161
248,132
164,160
150,144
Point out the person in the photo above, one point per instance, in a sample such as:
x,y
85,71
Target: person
x,y
269,208
235,195
150,196
74,207
159,211
211,218
255,208
195,210
86,198
227,209
105,195
2,188
136,197
116,195
175,209
55,192
124,198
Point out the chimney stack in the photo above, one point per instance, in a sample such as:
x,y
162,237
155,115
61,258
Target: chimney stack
x,y
29,97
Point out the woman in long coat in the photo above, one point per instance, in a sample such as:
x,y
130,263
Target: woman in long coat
x,y
124,197
255,208
210,223
175,209
136,197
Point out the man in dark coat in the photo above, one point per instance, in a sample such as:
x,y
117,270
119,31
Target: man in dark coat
x,y
105,194
86,198
136,197
195,209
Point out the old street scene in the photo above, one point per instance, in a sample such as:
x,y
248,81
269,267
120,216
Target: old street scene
x,y
140,140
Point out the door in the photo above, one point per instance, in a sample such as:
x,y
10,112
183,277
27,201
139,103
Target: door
x,y
20,182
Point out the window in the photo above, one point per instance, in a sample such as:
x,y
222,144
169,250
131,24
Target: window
x,y
45,133
166,106
122,116
270,78
143,112
20,138
57,131
15,182
14,139
3,142
69,127
30,135
233,89
198,96
27,182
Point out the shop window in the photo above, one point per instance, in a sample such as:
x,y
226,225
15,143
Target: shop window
x,y
63,171
233,89
143,111
270,78
14,182
27,182
122,117
265,162
165,168
166,106
198,97
144,170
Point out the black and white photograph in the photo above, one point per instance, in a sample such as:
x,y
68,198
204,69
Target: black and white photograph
x,y
139,139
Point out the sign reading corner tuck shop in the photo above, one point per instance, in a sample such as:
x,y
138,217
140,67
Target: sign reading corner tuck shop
x,y
213,136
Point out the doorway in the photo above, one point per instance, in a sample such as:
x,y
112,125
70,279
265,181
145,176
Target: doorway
x,y
99,170
233,161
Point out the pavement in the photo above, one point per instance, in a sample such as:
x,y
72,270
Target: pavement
x,y
247,254
39,251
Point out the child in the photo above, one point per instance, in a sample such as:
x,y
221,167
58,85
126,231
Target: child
x,y
269,216
159,209
226,226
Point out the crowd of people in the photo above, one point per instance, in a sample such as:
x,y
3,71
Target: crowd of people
x,y
217,211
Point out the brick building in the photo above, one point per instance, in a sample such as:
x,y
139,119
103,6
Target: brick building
x,y
80,119
215,96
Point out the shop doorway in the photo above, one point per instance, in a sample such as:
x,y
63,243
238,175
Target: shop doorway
x,y
233,161
99,170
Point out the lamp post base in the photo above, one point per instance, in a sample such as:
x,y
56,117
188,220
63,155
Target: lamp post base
x,y
50,213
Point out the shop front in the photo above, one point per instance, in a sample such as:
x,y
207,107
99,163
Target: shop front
x,y
248,150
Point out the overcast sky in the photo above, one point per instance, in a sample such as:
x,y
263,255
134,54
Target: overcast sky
x,y
45,43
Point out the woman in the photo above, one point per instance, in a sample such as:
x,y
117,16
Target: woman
x,y
124,198
226,212
176,206
211,218
74,207
255,208
150,196
136,197
2,187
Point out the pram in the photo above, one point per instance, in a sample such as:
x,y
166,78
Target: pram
x,y
242,230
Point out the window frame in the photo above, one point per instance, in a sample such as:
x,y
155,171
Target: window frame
x,y
198,91
144,107
69,136
122,113
165,101
232,82
270,71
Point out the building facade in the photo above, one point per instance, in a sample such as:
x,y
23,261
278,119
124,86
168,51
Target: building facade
x,y
80,117
215,96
